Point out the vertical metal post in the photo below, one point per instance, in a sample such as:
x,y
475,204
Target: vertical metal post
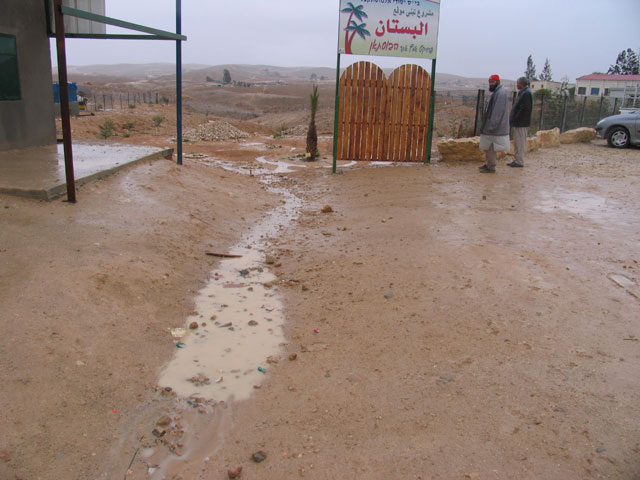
x,y
564,115
179,80
615,106
584,106
541,112
432,104
601,104
480,99
64,101
336,117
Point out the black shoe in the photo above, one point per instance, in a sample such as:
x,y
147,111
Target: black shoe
x,y
514,164
486,169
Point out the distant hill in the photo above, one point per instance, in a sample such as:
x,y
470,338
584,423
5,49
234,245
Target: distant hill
x,y
247,73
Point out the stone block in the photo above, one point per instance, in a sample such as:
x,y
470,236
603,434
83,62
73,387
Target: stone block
x,y
549,138
461,150
579,135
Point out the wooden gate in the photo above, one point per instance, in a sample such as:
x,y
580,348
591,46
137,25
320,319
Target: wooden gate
x,y
383,119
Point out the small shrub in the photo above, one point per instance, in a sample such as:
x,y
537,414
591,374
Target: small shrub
x,y
129,126
164,100
99,107
157,120
132,106
126,134
107,129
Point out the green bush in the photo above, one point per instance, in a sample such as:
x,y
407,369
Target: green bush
x,y
107,129
157,120
132,106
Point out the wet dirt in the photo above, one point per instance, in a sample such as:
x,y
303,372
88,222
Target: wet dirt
x,y
440,323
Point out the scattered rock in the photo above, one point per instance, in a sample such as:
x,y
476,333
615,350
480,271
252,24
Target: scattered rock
x,y
327,209
304,288
253,323
215,130
259,456
6,457
164,421
193,325
293,356
389,296
270,260
234,472
158,433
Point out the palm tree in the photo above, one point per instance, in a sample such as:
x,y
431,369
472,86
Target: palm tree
x,y
355,28
353,11
312,135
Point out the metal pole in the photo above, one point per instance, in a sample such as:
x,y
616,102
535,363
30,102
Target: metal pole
x,y
584,106
179,80
432,103
475,125
615,106
64,101
336,117
601,104
564,115
541,112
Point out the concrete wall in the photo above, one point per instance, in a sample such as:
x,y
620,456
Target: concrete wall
x,y
30,121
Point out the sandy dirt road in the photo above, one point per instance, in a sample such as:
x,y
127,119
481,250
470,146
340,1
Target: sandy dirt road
x,y
445,324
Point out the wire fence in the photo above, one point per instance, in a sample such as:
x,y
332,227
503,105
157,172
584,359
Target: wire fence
x,y
459,113
109,101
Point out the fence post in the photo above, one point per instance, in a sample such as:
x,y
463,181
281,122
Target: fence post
x,y
564,115
584,106
615,106
601,104
541,112
480,101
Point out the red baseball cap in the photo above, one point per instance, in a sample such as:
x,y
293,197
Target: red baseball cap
x,y
495,78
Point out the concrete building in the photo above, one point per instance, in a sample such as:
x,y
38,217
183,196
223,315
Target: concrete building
x,y
554,87
623,87
26,93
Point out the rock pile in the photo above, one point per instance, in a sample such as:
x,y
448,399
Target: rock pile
x,y
215,131
579,135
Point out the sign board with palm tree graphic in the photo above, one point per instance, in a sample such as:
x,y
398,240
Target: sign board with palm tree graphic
x,y
389,28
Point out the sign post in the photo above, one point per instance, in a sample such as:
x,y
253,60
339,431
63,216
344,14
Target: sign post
x,y
402,28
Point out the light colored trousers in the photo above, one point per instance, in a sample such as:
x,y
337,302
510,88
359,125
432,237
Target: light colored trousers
x,y
520,143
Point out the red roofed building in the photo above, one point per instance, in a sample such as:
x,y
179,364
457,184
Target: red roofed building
x,y
625,87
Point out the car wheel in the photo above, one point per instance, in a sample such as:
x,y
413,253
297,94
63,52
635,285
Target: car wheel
x,y
618,137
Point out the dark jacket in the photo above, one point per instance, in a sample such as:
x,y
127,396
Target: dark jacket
x,y
522,108
495,120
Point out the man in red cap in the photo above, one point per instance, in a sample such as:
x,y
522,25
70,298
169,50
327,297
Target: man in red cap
x,y
494,134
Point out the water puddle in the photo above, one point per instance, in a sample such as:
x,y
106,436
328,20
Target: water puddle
x,y
594,207
222,349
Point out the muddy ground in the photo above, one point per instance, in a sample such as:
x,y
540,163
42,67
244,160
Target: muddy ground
x,y
444,324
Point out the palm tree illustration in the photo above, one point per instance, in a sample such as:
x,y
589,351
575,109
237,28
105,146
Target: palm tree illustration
x,y
355,28
357,12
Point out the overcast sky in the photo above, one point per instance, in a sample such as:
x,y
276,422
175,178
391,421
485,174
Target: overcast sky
x,y
477,38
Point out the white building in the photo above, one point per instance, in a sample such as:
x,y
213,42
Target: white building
x,y
626,87
554,87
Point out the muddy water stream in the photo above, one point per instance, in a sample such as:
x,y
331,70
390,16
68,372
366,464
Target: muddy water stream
x,y
222,349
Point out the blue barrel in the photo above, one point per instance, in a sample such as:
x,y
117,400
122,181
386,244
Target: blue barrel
x,y
73,92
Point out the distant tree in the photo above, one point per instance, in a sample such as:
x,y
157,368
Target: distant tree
x,y
209,79
312,134
314,77
543,92
226,77
626,64
530,72
546,74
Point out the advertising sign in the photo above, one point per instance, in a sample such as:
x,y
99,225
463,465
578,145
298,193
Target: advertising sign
x,y
389,28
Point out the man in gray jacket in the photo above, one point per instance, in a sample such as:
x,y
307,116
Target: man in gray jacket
x,y
520,119
494,134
